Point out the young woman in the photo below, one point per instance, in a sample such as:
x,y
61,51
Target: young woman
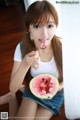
x,y
40,52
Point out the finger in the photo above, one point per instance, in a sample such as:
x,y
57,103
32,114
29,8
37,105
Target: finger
x,y
32,53
35,66
35,58
36,54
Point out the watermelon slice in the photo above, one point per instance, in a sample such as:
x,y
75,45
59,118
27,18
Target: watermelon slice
x,y
44,86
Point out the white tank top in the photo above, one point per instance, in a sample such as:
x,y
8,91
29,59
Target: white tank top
x,y
44,67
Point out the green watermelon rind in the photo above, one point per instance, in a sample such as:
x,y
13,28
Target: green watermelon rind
x,y
44,75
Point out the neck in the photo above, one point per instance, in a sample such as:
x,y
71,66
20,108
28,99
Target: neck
x,y
46,54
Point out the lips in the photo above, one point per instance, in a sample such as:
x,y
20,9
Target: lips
x,y
43,44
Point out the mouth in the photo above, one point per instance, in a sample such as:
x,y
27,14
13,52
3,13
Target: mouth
x,y
43,44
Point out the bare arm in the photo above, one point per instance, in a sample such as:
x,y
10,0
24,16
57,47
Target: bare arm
x,y
20,69
18,76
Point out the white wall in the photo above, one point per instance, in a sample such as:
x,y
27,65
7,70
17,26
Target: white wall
x,y
71,58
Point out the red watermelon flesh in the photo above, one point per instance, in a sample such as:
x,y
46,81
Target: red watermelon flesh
x,y
44,86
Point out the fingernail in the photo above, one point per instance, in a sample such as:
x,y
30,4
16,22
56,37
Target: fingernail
x,y
33,51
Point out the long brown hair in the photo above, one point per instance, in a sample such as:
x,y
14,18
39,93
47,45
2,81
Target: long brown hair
x,y
40,12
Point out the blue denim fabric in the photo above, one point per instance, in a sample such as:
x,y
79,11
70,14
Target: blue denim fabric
x,y
53,104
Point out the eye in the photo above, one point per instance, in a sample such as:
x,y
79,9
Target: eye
x,y
50,26
36,26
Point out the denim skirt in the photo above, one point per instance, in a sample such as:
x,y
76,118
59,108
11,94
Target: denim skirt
x,y
52,105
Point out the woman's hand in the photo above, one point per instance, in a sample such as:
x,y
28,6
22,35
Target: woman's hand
x,y
60,86
32,59
20,69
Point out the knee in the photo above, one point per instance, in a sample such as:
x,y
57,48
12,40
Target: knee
x,y
11,96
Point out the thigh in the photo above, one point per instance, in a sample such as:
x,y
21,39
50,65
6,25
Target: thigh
x,y
43,114
27,109
13,105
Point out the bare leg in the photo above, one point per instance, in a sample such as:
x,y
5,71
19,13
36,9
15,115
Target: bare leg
x,y
8,97
5,98
27,110
43,114
13,105
11,99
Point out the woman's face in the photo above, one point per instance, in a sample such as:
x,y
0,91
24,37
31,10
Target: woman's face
x,y
43,34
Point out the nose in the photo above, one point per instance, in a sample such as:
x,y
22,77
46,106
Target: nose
x,y
44,33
